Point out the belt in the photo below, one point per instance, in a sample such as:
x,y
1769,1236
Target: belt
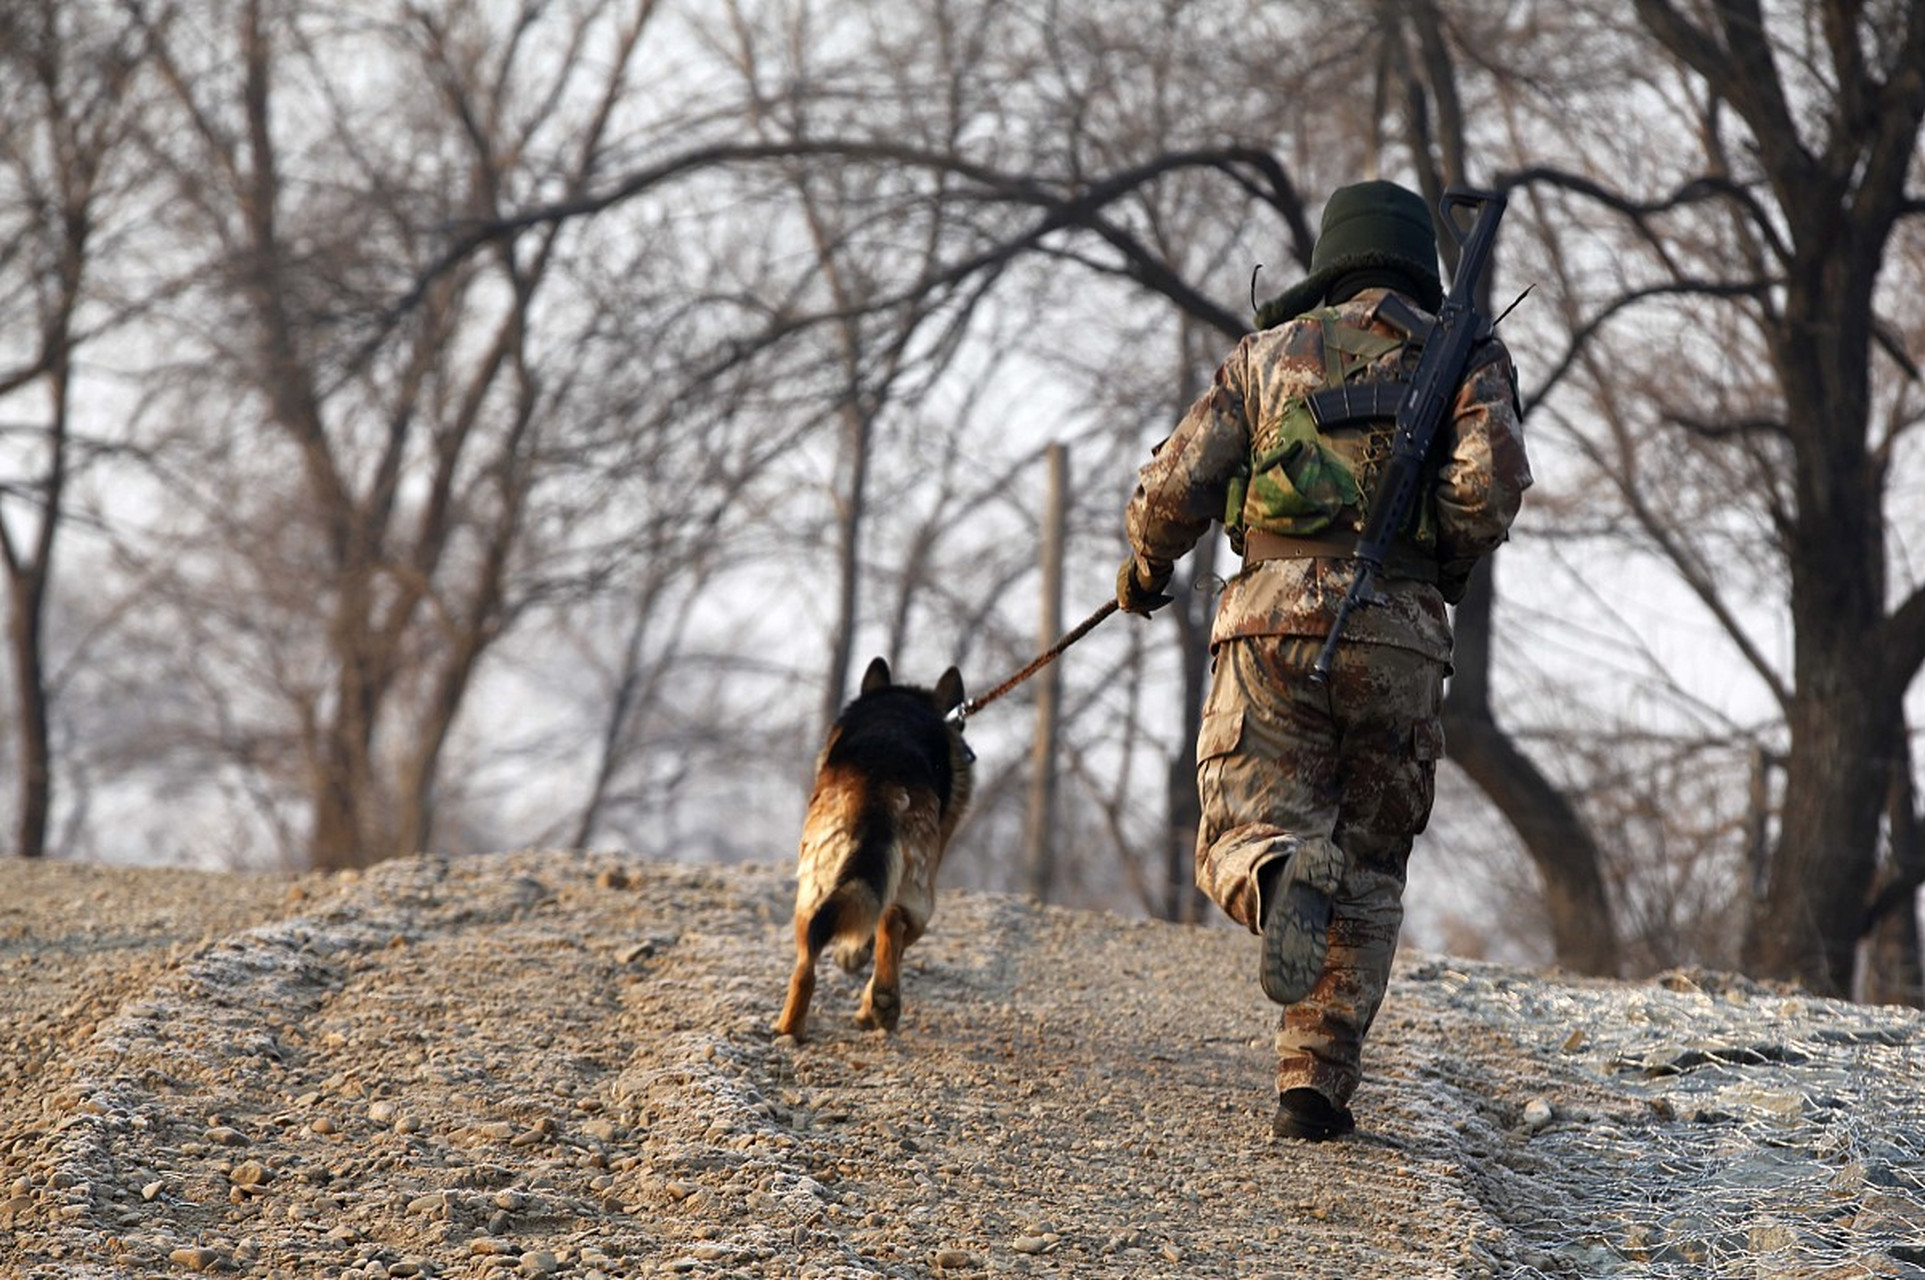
x,y
1402,562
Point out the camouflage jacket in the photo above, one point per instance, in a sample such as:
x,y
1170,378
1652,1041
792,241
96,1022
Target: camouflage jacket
x,y
1479,484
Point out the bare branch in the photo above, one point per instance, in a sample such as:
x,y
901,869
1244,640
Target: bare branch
x,y
1642,213
1060,211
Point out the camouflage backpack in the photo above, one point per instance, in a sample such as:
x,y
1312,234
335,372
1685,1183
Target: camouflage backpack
x,y
1313,467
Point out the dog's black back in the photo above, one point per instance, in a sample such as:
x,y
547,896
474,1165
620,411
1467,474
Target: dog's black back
x,y
895,736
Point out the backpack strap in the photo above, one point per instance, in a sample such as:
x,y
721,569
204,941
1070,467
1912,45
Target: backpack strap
x,y
1340,402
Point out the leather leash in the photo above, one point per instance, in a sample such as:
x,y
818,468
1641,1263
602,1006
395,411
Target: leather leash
x,y
971,706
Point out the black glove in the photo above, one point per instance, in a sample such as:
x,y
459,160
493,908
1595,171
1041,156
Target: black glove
x,y
1139,592
1453,579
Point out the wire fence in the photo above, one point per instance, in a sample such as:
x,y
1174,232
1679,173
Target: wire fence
x,y
1755,1134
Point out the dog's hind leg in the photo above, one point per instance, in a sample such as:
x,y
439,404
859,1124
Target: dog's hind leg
x,y
882,999
809,937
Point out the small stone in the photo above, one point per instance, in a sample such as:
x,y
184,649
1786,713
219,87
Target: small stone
x,y
250,1173
947,1259
1538,1114
433,1202
613,878
227,1136
1030,1244
152,1189
195,1258
324,1126
539,1262
383,1112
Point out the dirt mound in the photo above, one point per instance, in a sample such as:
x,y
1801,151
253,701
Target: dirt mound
x,y
561,1064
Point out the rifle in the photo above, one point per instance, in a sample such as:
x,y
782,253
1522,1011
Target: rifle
x,y
1433,389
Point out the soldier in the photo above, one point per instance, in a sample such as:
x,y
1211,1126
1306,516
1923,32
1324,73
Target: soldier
x,y
1312,792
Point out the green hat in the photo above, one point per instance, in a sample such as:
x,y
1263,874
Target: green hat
x,y
1370,225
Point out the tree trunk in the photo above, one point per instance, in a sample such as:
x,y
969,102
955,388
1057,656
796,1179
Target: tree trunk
x,y
35,797
342,756
1559,844
343,775
1892,971
1808,926
1845,705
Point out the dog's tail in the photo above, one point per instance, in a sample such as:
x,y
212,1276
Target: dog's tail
x,y
866,868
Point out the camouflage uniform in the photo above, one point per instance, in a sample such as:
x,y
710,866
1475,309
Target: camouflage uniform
x,y
1341,774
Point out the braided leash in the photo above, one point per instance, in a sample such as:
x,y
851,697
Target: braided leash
x,y
1043,659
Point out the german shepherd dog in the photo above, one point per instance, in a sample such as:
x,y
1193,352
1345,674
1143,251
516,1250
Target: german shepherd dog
x,y
891,784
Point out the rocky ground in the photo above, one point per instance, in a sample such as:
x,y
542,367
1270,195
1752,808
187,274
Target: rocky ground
x,y
559,1064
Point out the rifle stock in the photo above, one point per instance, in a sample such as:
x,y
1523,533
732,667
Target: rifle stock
x,y
1433,389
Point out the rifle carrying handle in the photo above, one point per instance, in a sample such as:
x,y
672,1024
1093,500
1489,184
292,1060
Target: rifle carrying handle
x,y
1462,197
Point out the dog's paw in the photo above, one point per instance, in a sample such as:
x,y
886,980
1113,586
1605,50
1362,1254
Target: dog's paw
x,y
880,1010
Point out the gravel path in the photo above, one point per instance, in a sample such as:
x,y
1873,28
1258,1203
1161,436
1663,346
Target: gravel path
x,y
560,1064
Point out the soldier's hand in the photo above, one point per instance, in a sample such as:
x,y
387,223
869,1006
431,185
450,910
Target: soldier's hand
x,y
1139,590
1453,579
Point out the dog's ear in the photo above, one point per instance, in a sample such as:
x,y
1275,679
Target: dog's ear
x,y
876,677
949,691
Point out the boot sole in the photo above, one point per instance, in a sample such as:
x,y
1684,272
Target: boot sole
x,y
1296,938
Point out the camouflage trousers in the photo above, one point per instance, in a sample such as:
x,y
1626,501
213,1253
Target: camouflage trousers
x,y
1342,772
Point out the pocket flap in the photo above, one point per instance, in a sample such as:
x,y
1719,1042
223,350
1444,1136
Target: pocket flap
x,y
1219,734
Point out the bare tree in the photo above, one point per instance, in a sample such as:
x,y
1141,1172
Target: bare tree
x,y
65,80
1757,258
403,477
1418,77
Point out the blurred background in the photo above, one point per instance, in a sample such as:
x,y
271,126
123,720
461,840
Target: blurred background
x,y
463,425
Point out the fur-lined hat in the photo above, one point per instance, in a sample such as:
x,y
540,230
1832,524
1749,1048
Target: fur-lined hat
x,y
1370,226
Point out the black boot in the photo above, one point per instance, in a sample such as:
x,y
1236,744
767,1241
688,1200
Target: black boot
x,y
1308,1116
